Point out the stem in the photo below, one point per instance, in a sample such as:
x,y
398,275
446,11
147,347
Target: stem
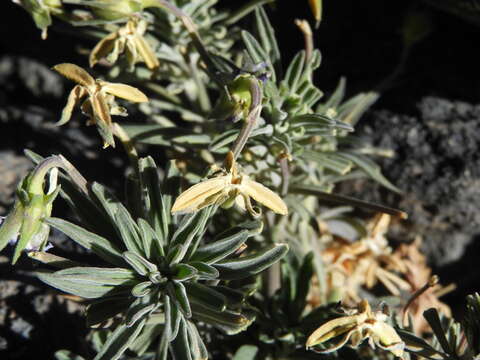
x,y
251,121
431,283
285,173
306,30
127,143
245,10
55,161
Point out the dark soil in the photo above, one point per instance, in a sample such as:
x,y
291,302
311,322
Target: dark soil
x,y
428,115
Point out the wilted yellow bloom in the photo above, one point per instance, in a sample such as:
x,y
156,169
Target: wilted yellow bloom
x,y
316,7
128,39
229,186
100,102
356,326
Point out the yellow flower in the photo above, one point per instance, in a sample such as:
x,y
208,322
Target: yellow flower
x,y
358,325
100,102
229,186
128,39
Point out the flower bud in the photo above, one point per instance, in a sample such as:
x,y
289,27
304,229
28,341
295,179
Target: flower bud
x,y
116,9
31,207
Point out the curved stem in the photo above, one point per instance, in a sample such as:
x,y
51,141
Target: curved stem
x,y
251,121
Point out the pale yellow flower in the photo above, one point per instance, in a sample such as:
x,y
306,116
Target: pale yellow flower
x,y
356,326
128,39
100,102
229,186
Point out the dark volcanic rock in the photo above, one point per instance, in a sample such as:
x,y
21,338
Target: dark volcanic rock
x,y
437,165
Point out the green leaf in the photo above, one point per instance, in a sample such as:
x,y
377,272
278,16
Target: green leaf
x,y
140,308
190,226
52,260
226,243
149,334
142,289
90,282
181,346
99,245
433,319
182,272
11,226
206,296
155,208
67,355
198,349
370,168
165,136
138,263
228,321
120,218
246,352
173,316
267,38
417,345
255,50
329,161
102,310
177,291
243,267
119,341
294,72
204,271
152,245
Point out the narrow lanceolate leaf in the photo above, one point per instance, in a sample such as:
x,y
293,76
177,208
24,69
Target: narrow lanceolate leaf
x,y
102,310
251,265
267,37
52,260
119,341
294,71
206,296
204,271
370,168
264,196
138,263
152,244
155,208
148,335
120,218
141,308
228,321
188,229
177,291
99,245
182,272
173,316
124,91
181,345
90,282
75,73
255,50
198,349
222,247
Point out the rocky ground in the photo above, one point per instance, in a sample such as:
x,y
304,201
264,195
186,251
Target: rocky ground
x,y
429,116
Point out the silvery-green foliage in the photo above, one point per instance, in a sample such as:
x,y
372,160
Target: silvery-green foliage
x,y
156,274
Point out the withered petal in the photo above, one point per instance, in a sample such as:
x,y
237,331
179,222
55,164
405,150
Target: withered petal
x,y
124,91
75,73
77,93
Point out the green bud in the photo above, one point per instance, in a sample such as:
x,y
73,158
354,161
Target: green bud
x,y
41,12
116,9
235,102
31,207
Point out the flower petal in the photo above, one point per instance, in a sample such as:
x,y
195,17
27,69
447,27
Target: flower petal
x,y
336,345
263,195
124,91
75,73
146,52
201,195
103,48
385,337
332,329
77,93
